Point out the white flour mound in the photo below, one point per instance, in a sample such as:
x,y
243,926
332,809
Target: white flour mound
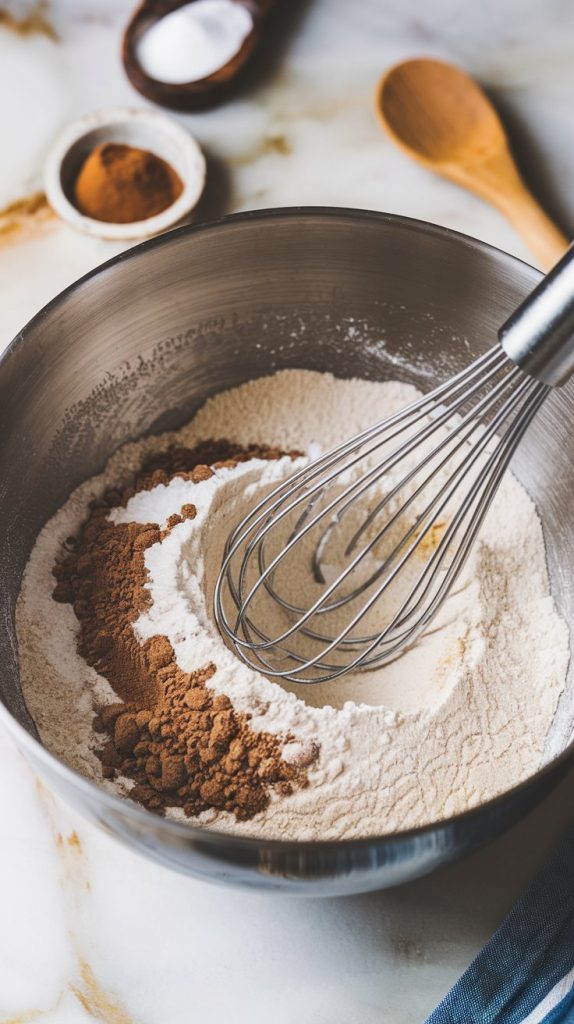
x,y
457,720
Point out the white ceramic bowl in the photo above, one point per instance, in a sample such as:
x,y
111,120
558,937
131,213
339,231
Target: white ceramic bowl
x,y
146,129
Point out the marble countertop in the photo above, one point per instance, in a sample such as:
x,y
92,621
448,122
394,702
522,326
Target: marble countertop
x,y
88,930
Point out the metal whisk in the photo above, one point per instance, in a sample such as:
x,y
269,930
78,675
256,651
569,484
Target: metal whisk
x,y
377,531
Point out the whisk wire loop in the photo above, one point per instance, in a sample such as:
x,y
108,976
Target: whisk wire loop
x,y
348,496
433,469
408,609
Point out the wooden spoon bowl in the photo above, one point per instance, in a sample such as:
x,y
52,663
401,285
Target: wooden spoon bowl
x,y
204,92
440,116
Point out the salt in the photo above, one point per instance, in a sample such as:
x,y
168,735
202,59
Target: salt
x,y
193,41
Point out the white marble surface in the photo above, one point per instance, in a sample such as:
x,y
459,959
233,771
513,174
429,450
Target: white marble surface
x,y
88,931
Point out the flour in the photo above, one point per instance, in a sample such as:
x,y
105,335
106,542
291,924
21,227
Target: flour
x,y
461,717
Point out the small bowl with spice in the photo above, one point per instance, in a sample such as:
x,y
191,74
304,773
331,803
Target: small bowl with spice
x,y
124,174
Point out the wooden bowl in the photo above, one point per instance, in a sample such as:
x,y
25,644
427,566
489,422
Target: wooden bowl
x,y
204,92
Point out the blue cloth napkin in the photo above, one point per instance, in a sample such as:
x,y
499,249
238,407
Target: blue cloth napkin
x,y
525,973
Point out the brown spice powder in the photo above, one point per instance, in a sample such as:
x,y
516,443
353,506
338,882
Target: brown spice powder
x,y
182,744
121,184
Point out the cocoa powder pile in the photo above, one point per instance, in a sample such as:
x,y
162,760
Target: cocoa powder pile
x,y
182,744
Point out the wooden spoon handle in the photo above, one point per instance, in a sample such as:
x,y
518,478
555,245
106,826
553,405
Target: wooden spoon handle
x,y
540,233
498,181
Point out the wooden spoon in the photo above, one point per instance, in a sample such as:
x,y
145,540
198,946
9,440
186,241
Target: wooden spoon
x,y
440,117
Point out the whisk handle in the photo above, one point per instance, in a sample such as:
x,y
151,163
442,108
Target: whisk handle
x,y
539,335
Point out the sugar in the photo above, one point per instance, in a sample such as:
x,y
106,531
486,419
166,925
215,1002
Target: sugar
x,y
193,41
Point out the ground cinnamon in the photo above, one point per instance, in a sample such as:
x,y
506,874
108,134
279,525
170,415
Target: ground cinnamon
x,y
120,184
182,744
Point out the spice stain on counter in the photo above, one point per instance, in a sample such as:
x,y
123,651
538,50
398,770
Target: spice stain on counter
x,y
270,145
26,1018
292,99
24,217
96,1001
73,841
73,863
34,22
72,858
408,949
70,847
85,990
80,984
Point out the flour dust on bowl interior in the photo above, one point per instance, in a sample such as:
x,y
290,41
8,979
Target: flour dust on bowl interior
x,y
180,327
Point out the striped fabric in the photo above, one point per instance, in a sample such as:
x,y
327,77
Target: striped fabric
x,y
525,973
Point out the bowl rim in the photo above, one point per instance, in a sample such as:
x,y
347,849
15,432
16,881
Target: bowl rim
x,y
207,835
158,122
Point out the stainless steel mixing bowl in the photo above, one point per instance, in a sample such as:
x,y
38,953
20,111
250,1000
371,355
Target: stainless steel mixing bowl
x,y
136,346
